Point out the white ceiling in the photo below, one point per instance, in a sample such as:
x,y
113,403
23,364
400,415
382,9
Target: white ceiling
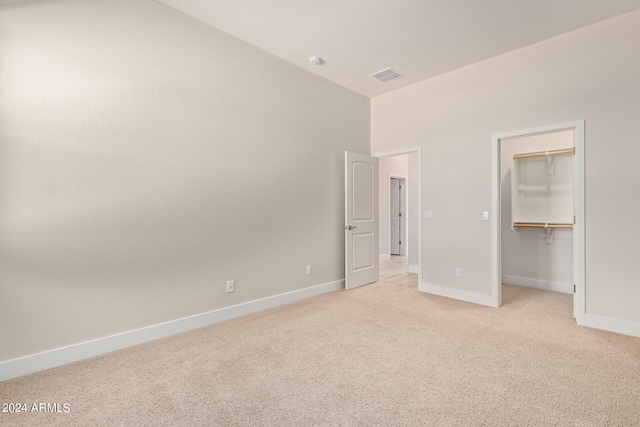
x,y
419,38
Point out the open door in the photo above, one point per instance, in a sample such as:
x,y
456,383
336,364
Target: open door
x,y
361,220
394,216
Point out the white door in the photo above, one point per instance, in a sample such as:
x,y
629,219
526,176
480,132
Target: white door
x,y
361,220
394,216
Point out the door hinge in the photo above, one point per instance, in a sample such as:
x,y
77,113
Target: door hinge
x,y
574,151
574,288
574,219
400,242
399,214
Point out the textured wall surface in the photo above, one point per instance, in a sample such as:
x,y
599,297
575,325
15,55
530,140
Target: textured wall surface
x,y
145,159
589,74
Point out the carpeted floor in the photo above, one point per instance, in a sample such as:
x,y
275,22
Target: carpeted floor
x,y
381,355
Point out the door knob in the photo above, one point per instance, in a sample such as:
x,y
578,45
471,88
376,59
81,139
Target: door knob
x,y
351,227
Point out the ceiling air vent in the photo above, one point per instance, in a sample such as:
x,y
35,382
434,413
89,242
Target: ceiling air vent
x,y
386,75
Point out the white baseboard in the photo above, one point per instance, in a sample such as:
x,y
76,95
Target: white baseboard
x,y
459,294
565,288
61,356
608,324
385,257
413,269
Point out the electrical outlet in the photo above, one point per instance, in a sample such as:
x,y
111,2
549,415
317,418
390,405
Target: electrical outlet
x,y
458,272
231,286
308,270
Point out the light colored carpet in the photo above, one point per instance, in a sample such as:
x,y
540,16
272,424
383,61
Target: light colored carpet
x,y
380,355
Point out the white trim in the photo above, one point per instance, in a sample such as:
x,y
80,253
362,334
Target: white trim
x,y
579,228
413,269
579,305
459,294
496,204
384,257
608,324
418,151
565,288
61,356
401,151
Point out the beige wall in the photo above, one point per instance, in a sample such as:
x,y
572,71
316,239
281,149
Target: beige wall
x,y
146,159
589,74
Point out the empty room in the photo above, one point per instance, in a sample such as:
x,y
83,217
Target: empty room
x,y
237,212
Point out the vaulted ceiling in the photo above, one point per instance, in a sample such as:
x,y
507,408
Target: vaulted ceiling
x,y
419,38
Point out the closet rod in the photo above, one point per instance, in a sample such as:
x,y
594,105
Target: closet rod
x,y
534,225
544,153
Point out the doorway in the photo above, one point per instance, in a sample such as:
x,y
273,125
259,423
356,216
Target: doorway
x,y
408,180
577,236
397,216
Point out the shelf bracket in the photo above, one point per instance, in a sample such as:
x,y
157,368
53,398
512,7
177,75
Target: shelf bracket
x,y
551,165
549,235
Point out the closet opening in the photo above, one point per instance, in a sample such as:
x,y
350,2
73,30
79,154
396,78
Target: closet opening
x,y
538,229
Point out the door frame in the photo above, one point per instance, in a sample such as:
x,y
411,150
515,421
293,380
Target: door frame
x,y
579,266
418,152
403,202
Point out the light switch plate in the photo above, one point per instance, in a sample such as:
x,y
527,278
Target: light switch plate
x,y
428,215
